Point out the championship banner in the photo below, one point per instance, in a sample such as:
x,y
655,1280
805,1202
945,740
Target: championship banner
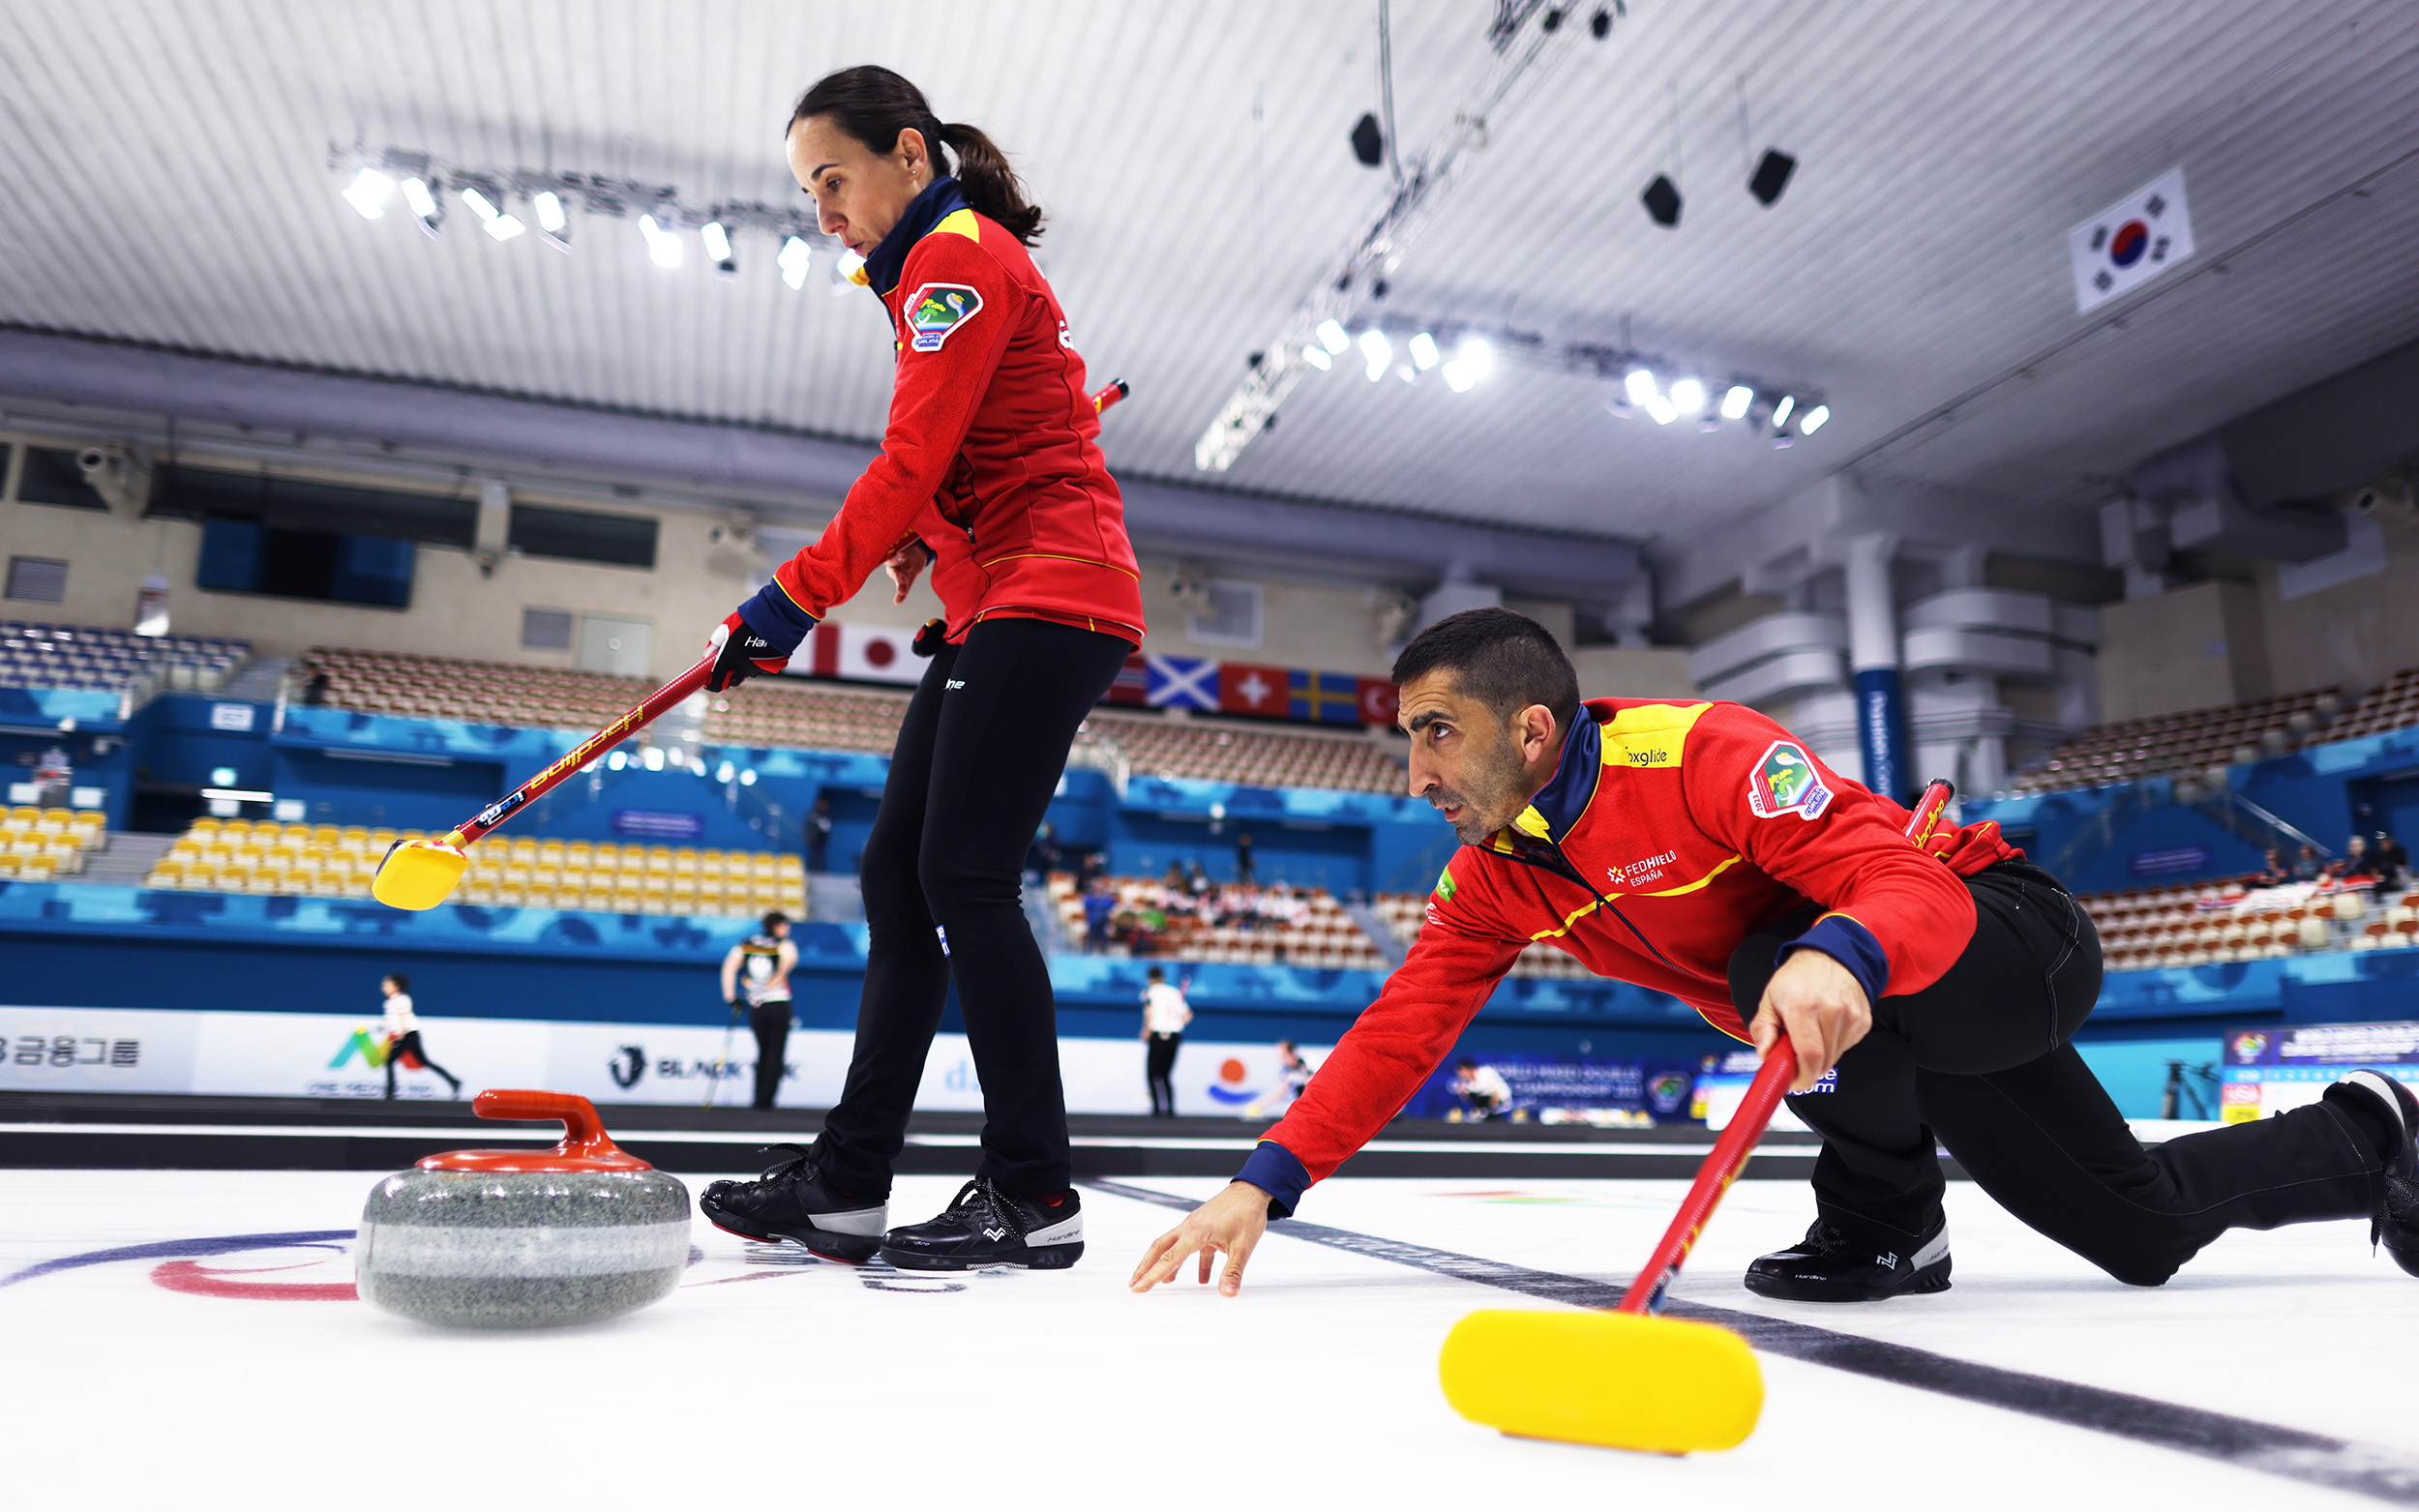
x,y
2130,243
2276,1070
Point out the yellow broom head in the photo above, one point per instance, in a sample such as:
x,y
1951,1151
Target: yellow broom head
x,y
419,874
1621,1380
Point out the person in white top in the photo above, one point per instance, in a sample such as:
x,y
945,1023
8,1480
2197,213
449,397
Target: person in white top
x,y
1165,1013
756,976
1484,1089
403,1033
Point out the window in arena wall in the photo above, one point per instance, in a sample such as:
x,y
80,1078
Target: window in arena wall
x,y
38,580
545,630
578,535
1231,617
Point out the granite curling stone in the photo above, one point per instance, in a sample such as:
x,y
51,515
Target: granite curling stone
x,y
524,1238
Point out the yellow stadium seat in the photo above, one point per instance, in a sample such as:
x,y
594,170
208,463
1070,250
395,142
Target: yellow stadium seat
x,y
25,813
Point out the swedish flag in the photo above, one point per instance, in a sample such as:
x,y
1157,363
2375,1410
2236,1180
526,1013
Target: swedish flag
x,y
1322,697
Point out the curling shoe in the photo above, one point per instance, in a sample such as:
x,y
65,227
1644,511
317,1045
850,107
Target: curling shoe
x,y
1829,1265
2395,1220
984,1226
790,1201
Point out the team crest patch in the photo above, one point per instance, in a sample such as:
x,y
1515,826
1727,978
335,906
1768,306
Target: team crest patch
x,y
936,311
1785,781
1445,888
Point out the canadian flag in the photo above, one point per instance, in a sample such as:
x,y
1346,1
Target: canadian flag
x,y
867,653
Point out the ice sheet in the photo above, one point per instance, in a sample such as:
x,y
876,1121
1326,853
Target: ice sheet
x,y
771,1375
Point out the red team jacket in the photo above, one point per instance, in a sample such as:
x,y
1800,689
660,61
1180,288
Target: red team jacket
x,y
991,454
1669,833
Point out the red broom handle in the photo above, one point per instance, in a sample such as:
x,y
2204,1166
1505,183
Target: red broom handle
x,y
647,713
1738,1139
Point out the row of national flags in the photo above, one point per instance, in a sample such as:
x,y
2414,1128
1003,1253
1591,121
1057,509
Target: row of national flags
x,y
1289,693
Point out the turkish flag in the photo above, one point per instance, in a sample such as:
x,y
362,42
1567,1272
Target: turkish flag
x,y
1246,689
1380,701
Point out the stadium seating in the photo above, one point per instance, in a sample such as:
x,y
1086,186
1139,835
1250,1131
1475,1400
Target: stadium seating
x,y
787,712
41,845
444,686
2394,705
83,656
1300,927
1405,912
2206,923
326,861
2130,748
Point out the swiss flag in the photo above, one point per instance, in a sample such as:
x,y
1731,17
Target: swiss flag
x,y
1380,701
867,653
1247,688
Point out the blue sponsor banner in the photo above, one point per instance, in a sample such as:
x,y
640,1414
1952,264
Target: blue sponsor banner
x,y
1881,732
1552,1088
658,824
2168,863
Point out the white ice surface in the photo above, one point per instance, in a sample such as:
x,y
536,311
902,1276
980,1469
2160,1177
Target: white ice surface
x,y
771,1379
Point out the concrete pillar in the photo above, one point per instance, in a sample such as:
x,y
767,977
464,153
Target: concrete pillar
x,y
1873,660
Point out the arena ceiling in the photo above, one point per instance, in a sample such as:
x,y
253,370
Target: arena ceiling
x,y
169,179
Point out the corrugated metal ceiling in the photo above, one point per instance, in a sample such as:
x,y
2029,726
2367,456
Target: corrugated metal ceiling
x,y
167,178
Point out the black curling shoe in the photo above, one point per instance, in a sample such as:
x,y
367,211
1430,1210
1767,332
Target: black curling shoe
x,y
2395,1220
985,1225
791,1201
1829,1266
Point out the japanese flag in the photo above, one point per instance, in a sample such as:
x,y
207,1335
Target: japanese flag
x,y
866,653
2132,242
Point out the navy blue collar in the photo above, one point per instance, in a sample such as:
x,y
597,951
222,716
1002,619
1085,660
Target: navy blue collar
x,y
936,204
1555,810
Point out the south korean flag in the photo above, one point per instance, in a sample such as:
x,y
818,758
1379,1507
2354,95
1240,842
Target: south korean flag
x,y
2132,242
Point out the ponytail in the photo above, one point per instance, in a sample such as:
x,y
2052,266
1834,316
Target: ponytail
x,y
991,186
874,105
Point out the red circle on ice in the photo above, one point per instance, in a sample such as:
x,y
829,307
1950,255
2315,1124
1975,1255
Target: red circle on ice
x,y
879,653
2126,248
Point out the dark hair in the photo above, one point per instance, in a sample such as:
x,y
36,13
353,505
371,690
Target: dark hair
x,y
403,983
1506,661
874,105
1465,1061
1156,975
773,918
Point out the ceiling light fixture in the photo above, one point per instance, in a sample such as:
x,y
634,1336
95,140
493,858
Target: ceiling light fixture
x,y
718,246
661,244
1688,397
554,223
1423,351
1640,387
1330,334
1662,201
1780,411
369,194
422,204
1816,419
1317,357
793,261
501,226
1378,351
1735,403
1772,176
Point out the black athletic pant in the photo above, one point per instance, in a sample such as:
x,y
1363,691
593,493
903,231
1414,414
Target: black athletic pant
x,y
980,752
409,1045
771,1022
1979,1060
1158,1068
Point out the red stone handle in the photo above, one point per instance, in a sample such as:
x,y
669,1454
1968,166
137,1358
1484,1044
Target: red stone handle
x,y
585,1146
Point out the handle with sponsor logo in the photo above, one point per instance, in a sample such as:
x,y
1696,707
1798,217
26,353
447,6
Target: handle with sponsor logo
x,y
421,873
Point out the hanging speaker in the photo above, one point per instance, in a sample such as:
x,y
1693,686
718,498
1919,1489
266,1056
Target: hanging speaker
x,y
1771,175
1368,141
1661,201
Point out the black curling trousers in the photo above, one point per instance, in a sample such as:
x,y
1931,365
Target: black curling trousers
x,y
1979,1062
979,754
1159,1069
770,1022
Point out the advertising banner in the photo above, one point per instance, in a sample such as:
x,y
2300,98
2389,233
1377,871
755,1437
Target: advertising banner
x,y
2275,1070
308,1055
1721,1085
1556,1089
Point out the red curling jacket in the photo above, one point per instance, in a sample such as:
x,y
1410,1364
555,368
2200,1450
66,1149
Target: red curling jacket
x,y
991,454
1669,832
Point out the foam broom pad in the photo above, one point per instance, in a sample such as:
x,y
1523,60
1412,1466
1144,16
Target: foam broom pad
x,y
418,876
1621,1380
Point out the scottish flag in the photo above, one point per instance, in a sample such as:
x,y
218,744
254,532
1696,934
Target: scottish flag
x,y
1183,682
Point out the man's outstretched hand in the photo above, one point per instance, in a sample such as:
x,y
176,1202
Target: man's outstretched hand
x,y
1231,1222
